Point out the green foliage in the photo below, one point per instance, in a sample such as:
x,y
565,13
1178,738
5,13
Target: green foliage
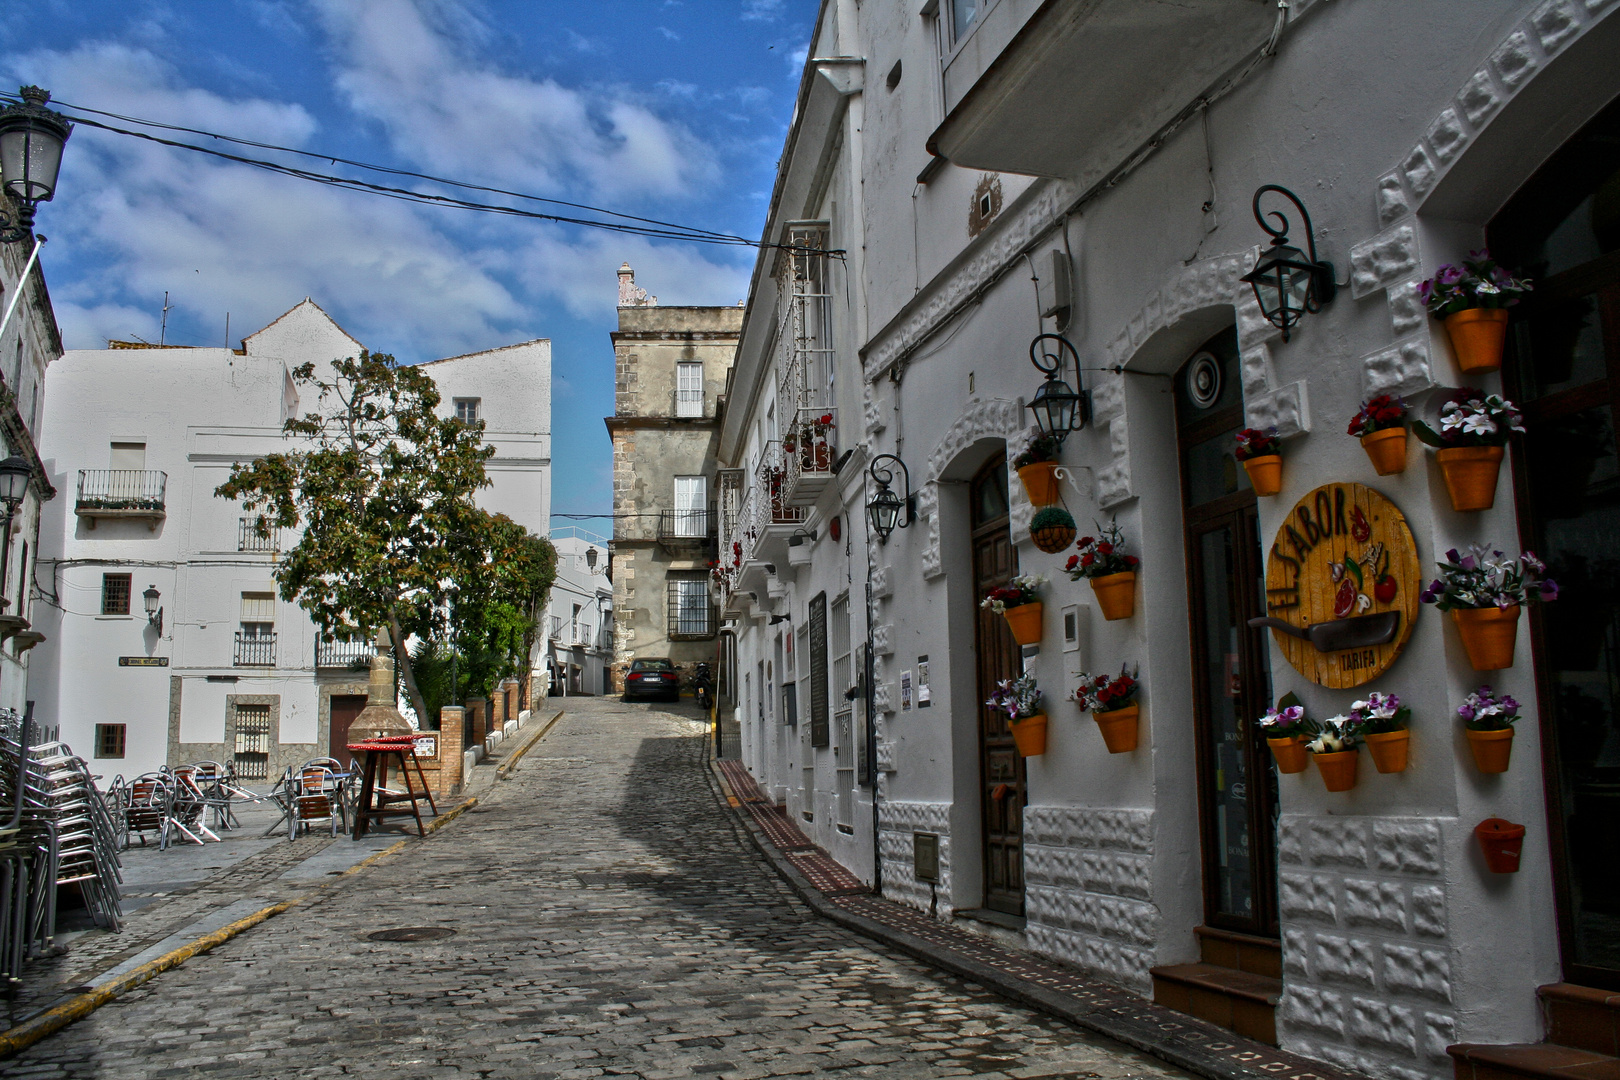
x,y
1048,517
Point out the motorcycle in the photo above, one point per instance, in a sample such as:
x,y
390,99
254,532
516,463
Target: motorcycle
x,y
702,687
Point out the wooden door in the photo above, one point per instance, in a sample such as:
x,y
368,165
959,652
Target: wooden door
x,y
345,707
1001,770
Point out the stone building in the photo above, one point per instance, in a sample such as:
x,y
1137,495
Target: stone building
x,y
932,214
670,371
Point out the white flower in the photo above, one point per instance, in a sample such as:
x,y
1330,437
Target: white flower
x,y
1479,424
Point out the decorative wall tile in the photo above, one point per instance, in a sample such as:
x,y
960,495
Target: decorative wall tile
x,y
1555,22
1377,905
1381,1024
1429,911
1322,1010
1447,136
1419,171
1515,60
1424,972
1439,1032
1407,315
1401,369
1348,961
1391,199
1284,408
1407,846
1479,98
1383,260
1308,898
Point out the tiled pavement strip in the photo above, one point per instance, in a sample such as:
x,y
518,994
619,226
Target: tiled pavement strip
x,y
611,918
833,891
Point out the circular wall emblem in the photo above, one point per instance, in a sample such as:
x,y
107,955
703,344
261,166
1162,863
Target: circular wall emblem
x,y
1342,584
1204,380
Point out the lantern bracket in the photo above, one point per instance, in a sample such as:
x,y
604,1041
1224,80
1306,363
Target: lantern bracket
x,y
888,511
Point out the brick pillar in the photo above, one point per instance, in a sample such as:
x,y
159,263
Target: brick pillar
x,y
476,710
528,692
511,696
450,749
497,709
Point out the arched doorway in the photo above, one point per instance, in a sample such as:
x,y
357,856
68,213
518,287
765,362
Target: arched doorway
x,y
1563,366
1001,770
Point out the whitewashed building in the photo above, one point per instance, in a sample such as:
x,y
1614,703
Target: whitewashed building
x,y
963,175
578,622
223,669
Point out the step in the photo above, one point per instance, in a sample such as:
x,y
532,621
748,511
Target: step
x,y
1241,1001
1583,1017
1241,952
1539,1061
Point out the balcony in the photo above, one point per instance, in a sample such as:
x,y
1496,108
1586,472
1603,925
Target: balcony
x,y
255,650
686,528
810,455
336,655
121,493
255,533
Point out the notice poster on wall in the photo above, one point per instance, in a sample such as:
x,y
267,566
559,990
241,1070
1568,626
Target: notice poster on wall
x,y
905,690
925,697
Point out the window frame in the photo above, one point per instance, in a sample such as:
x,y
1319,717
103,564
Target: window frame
x,y
477,409
122,738
679,599
689,400
108,593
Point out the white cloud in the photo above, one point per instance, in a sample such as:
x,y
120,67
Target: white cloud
x,y
761,10
669,34
583,274
450,113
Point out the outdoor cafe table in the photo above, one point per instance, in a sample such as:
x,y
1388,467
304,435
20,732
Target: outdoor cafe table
x,y
374,773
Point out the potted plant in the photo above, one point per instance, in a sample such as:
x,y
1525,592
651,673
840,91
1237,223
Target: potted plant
x,y
1052,529
1286,729
1110,700
1102,559
1334,751
1501,842
1472,300
1016,601
1488,722
819,456
1474,426
1381,427
1036,463
1020,699
1484,593
1382,720
1261,454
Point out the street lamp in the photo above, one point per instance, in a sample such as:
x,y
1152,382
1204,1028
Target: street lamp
x,y
154,611
590,559
15,472
31,140
1288,283
1058,408
888,511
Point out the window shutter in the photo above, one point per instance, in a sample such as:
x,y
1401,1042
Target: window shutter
x,y
819,734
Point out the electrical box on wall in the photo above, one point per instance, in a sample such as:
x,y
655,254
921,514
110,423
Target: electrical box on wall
x,y
925,856
1056,288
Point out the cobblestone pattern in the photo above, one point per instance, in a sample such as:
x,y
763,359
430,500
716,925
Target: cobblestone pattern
x,y
611,920
1366,944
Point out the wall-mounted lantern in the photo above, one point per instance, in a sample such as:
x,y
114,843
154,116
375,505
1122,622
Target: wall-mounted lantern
x,y
590,559
1058,407
1288,283
889,511
154,608
31,141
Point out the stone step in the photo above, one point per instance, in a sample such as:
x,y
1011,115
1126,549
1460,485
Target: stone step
x,y
1241,952
1241,1001
1582,1017
1538,1061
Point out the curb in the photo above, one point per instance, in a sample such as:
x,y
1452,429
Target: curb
x,y
432,827
504,769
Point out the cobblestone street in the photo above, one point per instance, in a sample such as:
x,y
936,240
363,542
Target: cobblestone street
x,y
609,918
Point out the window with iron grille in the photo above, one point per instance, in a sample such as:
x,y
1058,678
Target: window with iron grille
x,y
256,640
467,409
255,533
689,389
115,594
820,736
251,756
690,613
110,740
843,713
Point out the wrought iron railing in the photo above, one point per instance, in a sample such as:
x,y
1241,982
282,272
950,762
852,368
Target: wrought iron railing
x,y
343,654
255,533
692,616
692,526
810,452
771,507
255,650
121,489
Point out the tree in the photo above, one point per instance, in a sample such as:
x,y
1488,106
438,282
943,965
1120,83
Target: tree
x,y
384,494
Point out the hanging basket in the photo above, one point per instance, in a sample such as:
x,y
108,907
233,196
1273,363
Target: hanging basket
x,y
1029,735
1040,484
1265,473
1470,473
1291,755
1389,750
1119,727
1477,336
1387,449
1025,622
1501,842
1488,634
1052,529
1338,769
1116,594
1491,749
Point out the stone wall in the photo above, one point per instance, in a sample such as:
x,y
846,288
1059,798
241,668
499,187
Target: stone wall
x,y
897,820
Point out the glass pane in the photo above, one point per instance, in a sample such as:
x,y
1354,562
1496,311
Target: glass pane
x,y
990,496
1227,782
963,12
1559,345
1213,469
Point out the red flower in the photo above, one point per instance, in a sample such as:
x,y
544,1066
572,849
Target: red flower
x,y
1074,560
1105,549
1132,559
1088,560
1085,542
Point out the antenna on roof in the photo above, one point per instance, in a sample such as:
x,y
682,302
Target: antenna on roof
x,y
227,329
163,330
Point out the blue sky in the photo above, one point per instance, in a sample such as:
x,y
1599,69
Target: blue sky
x,y
673,109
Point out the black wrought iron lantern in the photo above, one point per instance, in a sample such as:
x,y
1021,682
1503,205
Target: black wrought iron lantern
x,y
1288,283
888,510
1058,407
153,600
31,141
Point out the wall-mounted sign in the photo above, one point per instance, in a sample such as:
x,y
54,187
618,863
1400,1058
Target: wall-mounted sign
x,y
1342,584
143,661
427,746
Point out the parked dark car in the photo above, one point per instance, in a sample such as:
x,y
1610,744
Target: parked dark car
x,y
652,678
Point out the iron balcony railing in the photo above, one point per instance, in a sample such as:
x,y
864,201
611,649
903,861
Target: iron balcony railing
x,y
691,526
257,534
810,453
772,506
255,650
342,654
129,490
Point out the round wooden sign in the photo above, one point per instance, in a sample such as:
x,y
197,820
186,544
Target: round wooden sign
x,y
1342,585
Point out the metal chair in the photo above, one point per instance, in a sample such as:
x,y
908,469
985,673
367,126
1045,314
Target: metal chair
x,y
211,778
148,808
188,806
318,796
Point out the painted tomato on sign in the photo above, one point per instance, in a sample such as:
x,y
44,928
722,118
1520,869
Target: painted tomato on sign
x,y
1342,585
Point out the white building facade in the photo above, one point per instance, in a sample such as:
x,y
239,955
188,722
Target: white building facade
x,y
224,670
577,657
960,177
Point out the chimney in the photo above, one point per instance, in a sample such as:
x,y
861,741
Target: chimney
x,y
630,294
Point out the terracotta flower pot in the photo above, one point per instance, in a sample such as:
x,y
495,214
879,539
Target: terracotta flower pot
x,y
1338,769
1025,621
1470,473
1388,749
1265,474
1029,735
1116,594
1488,634
1039,483
1502,842
1387,449
1477,336
1491,749
1290,753
1118,727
